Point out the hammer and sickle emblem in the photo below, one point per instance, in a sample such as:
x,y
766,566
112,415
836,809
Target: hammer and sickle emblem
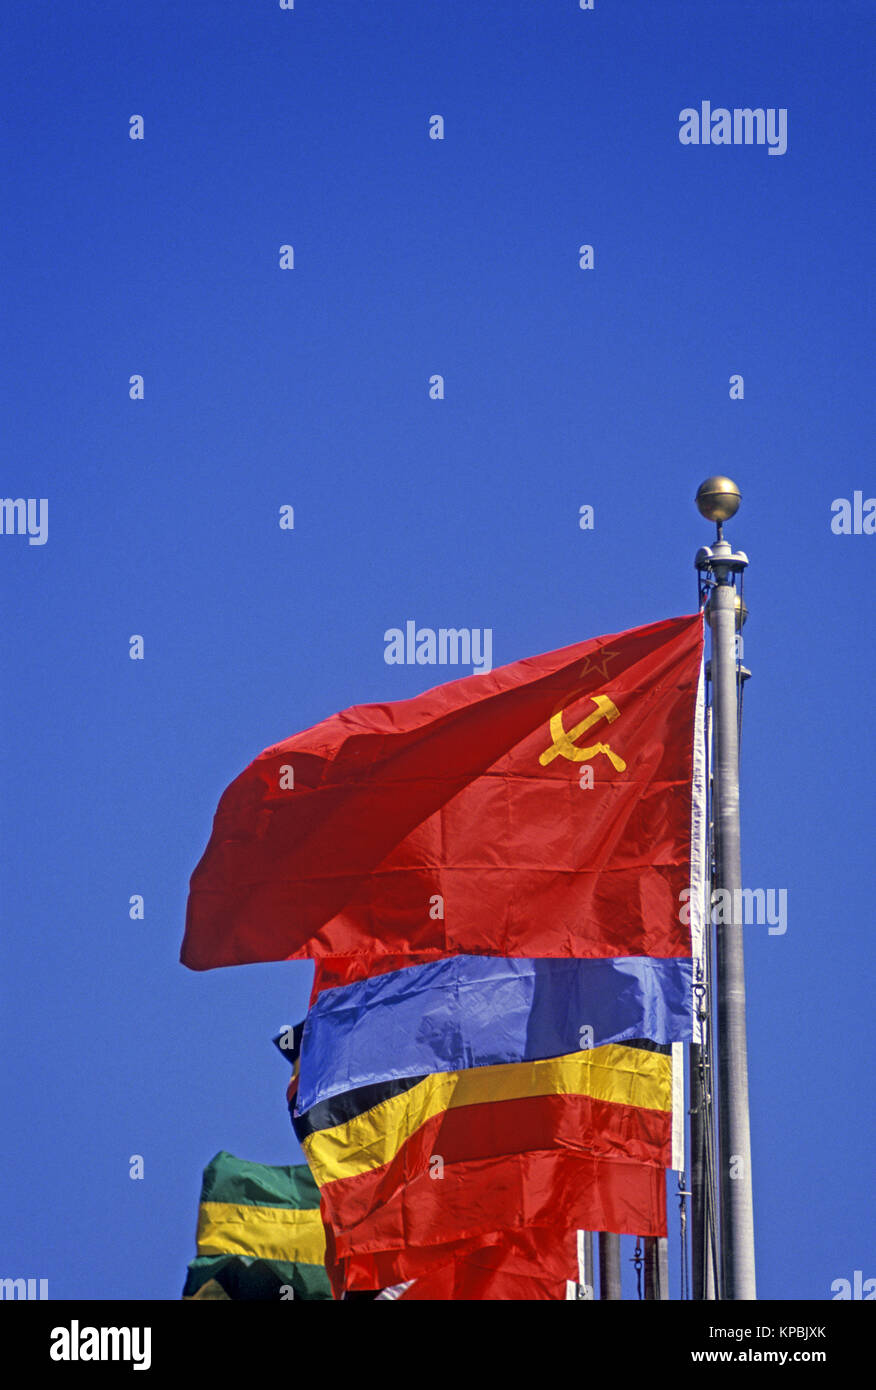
x,y
565,745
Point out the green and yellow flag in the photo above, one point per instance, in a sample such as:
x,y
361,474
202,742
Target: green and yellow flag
x,y
260,1234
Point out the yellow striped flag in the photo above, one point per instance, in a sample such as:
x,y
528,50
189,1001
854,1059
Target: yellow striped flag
x,y
260,1234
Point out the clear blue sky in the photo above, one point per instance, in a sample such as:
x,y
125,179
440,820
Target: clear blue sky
x,y
310,387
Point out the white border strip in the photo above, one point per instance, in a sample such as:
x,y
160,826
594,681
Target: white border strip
x,y
698,830
393,1291
678,1107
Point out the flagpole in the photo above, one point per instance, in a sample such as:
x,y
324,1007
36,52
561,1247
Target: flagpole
x,y
588,1262
703,1199
702,1212
718,499
656,1268
609,1266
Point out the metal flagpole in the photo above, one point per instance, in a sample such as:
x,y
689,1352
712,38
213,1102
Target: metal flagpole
x,y
656,1268
703,1204
703,1193
702,1216
609,1265
663,1266
588,1261
718,499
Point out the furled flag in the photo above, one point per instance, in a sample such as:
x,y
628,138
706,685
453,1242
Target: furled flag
x,y
543,809
260,1234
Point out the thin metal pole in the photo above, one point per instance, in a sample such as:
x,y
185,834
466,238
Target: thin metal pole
x,y
734,1140
609,1266
656,1268
588,1261
697,1175
663,1266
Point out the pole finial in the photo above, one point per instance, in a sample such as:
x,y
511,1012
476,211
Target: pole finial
x,y
718,498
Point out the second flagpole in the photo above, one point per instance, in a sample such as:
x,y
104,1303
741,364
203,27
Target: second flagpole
x,y
718,500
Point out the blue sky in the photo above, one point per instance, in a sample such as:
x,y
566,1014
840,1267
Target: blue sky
x,y
309,387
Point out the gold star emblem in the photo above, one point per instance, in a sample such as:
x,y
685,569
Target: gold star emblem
x,y
598,663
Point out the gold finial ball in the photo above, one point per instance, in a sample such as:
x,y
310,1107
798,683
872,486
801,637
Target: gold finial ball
x,y
718,498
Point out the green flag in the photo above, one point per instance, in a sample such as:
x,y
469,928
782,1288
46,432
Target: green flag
x,y
260,1234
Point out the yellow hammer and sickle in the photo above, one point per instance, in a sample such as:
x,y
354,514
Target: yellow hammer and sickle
x,y
564,743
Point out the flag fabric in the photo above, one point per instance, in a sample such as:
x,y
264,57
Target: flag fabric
x,y
537,1265
260,1234
508,1193
543,809
414,1170
490,878
534,1265
362,1274
475,1011
359,1271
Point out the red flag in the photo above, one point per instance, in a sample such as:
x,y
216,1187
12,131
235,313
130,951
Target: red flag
x,y
533,1265
382,1268
509,1193
464,820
